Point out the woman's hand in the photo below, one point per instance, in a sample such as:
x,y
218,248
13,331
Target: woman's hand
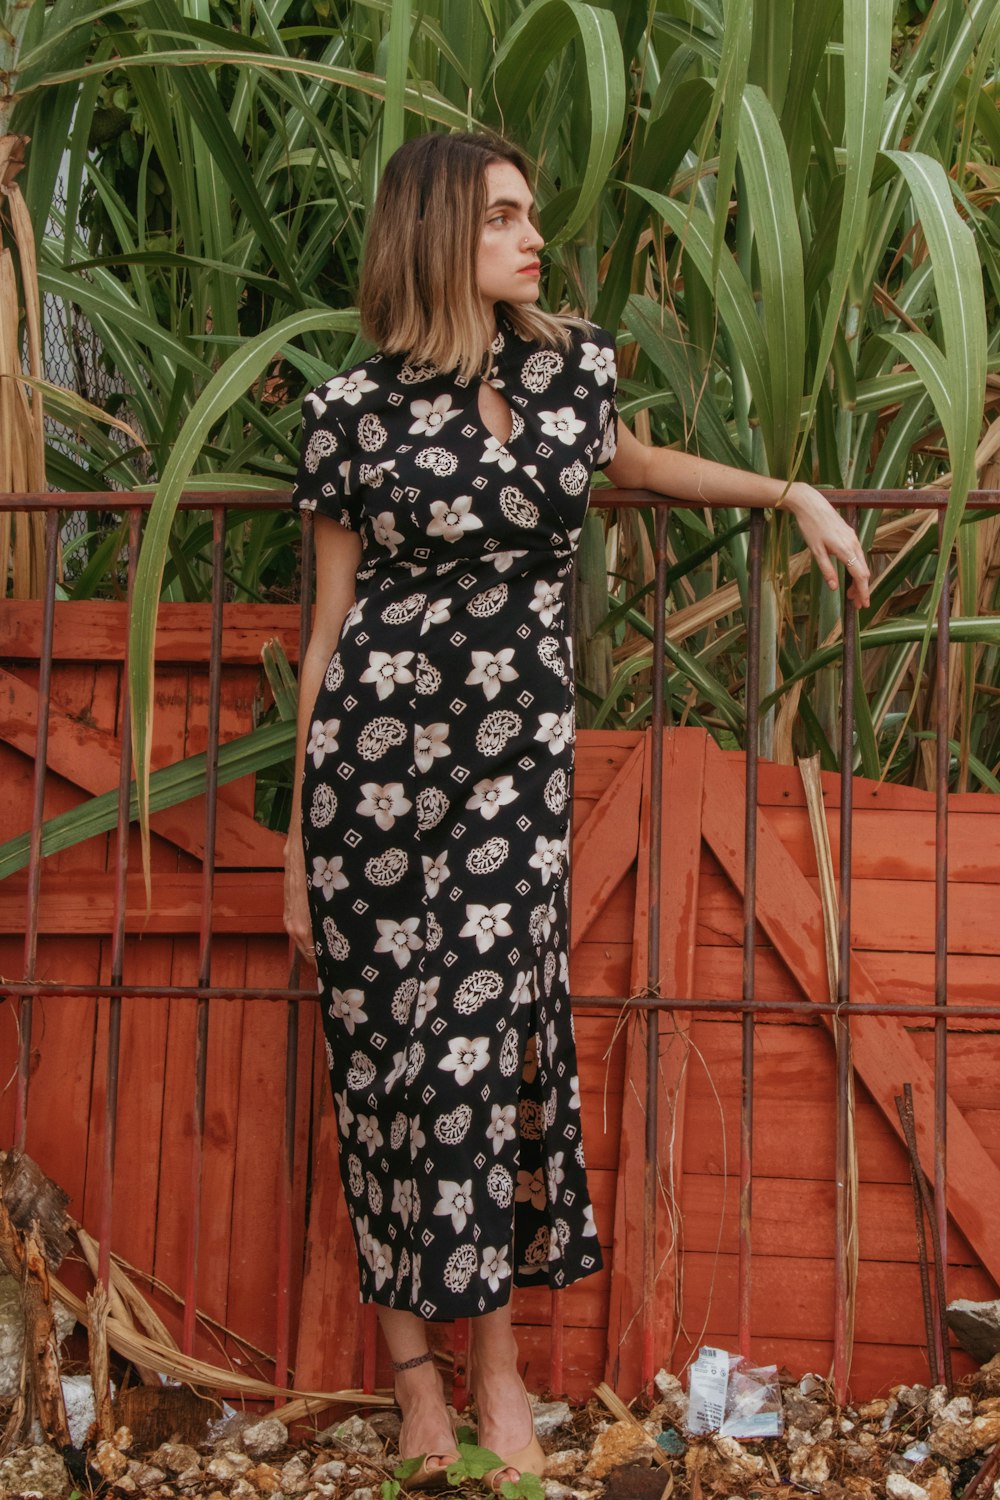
x,y
828,536
297,921
700,481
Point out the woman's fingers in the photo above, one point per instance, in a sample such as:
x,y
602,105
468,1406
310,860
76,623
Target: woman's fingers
x,y
825,564
296,913
301,937
858,572
831,540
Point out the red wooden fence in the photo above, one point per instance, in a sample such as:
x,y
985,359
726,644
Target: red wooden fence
x,y
598,1326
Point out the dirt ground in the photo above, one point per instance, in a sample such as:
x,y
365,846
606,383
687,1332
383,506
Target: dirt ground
x,y
915,1444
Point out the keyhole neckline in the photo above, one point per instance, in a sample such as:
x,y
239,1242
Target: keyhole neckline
x,y
484,383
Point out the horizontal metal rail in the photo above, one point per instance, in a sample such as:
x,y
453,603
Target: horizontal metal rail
x,y
604,497
705,1005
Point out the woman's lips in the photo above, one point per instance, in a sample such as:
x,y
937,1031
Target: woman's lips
x,y
532,270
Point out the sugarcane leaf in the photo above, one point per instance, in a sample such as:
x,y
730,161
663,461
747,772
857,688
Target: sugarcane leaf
x,y
544,29
267,745
737,310
764,160
239,370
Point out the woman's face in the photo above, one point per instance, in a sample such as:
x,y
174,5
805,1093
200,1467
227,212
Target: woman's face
x,y
507,265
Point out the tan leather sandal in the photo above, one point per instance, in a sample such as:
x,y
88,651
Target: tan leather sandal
x,y
427,1476
530,1459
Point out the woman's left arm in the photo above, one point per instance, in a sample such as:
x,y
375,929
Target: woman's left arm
x,y
683,476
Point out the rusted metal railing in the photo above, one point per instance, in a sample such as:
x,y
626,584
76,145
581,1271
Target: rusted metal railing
x,y
749,1006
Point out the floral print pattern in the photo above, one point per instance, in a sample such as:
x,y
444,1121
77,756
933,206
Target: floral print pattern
x,y
435,817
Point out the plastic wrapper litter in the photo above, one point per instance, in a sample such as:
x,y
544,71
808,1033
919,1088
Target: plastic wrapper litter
x,y
729,1395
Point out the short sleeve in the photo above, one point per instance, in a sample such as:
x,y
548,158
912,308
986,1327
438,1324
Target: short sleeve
x,y
322,482
597,362
609,432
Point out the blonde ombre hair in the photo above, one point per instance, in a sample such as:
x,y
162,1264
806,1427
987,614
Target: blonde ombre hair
x,y
419,294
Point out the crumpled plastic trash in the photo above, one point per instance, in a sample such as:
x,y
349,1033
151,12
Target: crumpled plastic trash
x,y
730,1395
708,1379
753,1401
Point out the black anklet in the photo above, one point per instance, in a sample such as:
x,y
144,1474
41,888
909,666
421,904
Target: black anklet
x,y
409,1364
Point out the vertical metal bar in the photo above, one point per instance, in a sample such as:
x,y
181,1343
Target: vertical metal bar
x,y
460,1365
653,947
557,1345
941,968
286,1205
842,1028
904,1108
369,1339
984,1476
25,1014
745,1272
940,1340
205,942
284,1267
118,933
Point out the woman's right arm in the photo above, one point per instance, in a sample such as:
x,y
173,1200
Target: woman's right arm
x,y
337,554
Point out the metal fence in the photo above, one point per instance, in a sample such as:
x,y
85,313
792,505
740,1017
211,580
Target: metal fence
x,y
653,1004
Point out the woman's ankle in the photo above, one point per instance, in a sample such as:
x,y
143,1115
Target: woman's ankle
x,y
498,1357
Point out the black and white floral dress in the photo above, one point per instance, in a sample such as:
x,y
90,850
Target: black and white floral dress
x,y
435,817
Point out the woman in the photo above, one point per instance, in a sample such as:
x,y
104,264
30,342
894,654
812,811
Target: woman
x,y
426,862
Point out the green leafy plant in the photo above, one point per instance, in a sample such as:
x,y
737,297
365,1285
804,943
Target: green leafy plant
x,y
472,1464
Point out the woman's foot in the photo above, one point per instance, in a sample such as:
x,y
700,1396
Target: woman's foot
x,y
506,1424
426,1430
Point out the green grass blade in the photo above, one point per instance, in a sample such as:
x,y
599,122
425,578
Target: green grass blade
x,y
268,745
545,28
737,35
395,79
867,60
663,343
764,160
737,309
246,365
959,287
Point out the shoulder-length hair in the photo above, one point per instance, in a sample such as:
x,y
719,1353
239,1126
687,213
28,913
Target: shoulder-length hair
x,y
419,294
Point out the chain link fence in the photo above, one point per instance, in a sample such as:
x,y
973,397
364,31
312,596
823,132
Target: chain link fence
x,y
72,357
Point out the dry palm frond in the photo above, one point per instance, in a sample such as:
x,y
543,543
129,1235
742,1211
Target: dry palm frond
x,y
142,1350
809,771
22,453
155,1352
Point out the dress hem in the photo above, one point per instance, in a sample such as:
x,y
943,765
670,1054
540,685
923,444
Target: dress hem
x,y
520,1279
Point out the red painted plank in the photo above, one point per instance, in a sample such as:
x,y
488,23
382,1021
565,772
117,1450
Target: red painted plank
x,y
641,1315
94,631
601,969
904,978
88,757
330,1281
782,786
793,1298
583,1358
795,1217
243,900
886,915
140,1108
884,1056
898,844
605,847
253,1294
62,1060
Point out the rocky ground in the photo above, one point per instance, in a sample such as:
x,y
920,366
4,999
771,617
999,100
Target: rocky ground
x,y
915,1444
